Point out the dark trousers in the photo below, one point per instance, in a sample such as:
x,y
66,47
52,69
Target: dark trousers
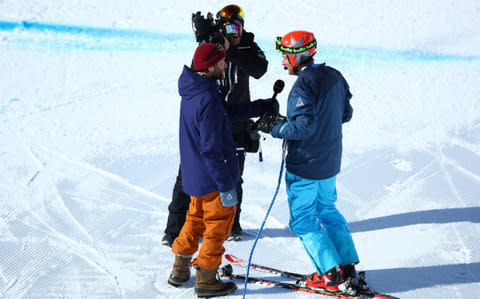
x,y
177,209
236,228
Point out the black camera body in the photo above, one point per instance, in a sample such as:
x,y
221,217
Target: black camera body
x,y
207,29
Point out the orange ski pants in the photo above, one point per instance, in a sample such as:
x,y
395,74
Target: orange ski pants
x,y
207,219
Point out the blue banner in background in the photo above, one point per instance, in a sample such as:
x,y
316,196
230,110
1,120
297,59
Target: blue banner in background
x,y
99,32
63,37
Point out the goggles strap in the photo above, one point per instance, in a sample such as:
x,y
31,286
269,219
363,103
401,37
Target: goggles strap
x,y
280,47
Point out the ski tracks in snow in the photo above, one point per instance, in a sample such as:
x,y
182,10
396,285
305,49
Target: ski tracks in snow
x,y
103,173
57,224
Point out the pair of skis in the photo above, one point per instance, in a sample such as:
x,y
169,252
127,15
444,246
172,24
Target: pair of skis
x,y
227,272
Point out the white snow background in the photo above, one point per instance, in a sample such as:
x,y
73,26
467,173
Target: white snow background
x,y
89,144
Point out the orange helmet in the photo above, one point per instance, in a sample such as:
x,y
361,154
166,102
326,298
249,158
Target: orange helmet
x,y
299,46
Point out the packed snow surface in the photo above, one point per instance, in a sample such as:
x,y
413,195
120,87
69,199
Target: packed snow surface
x,y
89,144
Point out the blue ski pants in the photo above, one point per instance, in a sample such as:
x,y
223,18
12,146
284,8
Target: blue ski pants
x,y
315,219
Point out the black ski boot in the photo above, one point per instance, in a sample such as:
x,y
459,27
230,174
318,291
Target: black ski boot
x,y
357,280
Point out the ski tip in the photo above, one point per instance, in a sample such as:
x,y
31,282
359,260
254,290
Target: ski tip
x,y
231,258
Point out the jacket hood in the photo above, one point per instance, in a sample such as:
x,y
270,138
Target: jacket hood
x,y
191,84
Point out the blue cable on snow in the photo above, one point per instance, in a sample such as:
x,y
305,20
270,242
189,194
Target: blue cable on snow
x,y
284,148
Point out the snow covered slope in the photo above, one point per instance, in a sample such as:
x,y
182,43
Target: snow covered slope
x,y
89,145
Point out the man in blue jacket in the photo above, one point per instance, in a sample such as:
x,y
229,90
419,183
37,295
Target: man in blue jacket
x,y
244,59
318,105
209,168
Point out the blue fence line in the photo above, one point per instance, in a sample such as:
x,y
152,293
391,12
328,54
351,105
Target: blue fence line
x,y
117,39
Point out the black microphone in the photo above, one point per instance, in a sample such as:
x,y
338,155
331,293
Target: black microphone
x,y
277,88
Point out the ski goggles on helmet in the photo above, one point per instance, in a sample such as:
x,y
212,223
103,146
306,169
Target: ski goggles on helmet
x,y
290,50
231,28
230,11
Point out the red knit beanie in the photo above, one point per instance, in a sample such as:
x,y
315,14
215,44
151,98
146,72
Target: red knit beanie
x,y
206,55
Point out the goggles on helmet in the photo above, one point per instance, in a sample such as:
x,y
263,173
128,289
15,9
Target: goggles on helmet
x,y
288,50
230,11
231,28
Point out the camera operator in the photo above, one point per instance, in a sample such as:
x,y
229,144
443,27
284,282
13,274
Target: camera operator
x,y
244,59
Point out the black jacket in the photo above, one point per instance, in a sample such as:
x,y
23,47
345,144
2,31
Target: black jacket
x,y
244,60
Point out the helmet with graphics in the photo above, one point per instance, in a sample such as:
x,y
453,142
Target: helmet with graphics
x,y
299,46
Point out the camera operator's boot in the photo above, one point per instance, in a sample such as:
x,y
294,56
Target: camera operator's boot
x,y
181,270
208,285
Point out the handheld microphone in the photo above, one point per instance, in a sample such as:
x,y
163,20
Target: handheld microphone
x,y
277,88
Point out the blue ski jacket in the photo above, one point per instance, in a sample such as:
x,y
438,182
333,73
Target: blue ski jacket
x,y
208,155
318,105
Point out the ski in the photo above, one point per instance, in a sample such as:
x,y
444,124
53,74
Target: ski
x,y
242,263
224,273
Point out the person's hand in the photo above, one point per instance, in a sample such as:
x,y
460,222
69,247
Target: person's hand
x,y
276,129
268,121
229,198
226,43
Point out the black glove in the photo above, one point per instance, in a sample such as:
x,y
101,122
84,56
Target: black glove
x,y
268,121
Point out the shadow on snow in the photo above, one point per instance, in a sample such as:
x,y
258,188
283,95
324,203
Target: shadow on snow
x,y
440,216
470,214
406,279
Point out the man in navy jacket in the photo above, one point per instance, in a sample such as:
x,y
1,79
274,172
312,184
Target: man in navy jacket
x,y
318,105
209,168
244,59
